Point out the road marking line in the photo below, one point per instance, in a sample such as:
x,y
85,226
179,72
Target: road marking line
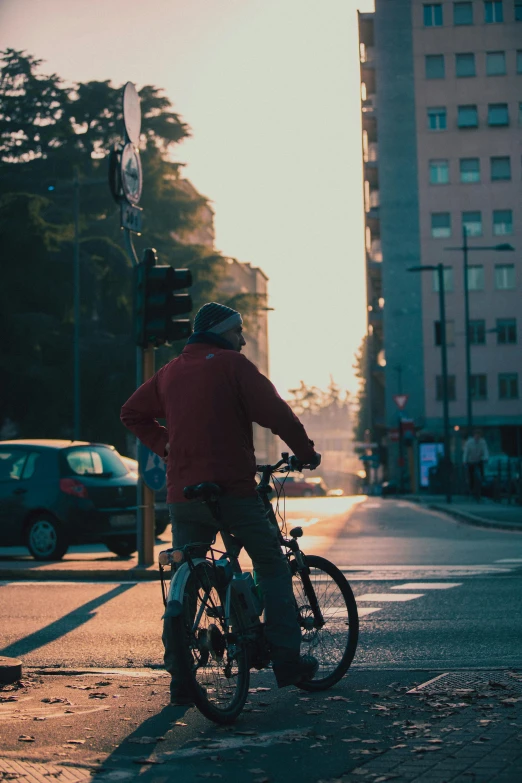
x,y
510,560
364,610
426,586
387,597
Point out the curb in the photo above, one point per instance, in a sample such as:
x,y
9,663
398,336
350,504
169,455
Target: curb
x,y
58,575
471,519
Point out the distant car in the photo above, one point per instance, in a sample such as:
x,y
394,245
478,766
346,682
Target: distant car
x,y
54,493
298,485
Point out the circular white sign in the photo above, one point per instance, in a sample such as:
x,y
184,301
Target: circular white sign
x,y
131,175
132,112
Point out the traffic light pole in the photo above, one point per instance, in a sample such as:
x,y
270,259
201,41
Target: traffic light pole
x,y
146,530
145,521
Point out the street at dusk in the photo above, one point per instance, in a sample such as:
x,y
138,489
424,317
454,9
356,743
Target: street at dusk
x,y
434,596
260,391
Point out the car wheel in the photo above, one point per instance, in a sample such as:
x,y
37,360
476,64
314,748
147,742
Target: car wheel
x,y
45,538
123,547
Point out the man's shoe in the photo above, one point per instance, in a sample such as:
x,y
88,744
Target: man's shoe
x,y
293,672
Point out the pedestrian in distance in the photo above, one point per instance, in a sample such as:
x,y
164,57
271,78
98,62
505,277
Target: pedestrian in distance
x,y
475,457
210,395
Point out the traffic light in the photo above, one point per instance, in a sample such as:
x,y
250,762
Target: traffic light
x,y
156,304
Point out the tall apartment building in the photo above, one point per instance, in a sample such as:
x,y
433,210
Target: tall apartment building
x,y
441,98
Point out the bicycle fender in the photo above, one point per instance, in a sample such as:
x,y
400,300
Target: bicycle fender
x,y
177,588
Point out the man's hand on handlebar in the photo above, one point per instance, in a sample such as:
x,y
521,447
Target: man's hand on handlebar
x,y
295,464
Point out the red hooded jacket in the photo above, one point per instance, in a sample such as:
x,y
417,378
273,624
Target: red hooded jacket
x,y
209,397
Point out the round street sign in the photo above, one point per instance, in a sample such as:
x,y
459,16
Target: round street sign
x,y
153,469
131,175
132,112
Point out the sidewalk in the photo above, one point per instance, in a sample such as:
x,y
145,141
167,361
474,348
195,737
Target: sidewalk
x,y
96,726
484,514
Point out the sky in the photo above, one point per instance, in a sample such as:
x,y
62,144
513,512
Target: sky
x,y
270,89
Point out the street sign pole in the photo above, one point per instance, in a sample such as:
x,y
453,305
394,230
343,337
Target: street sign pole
x,y
146,528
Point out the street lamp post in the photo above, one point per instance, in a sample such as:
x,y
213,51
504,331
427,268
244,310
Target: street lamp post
x,y
439,268
465,249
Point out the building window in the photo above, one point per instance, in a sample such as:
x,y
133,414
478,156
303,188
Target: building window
x,y
440,225
448,279
450,333
506,331
504,277
502,222
467,116
500,168
451,387
518,10
493,13
478,387
439,172
465,65
475,277
508,386
433,15
495,63
498,114
462,13
519,60
469,170
477,332
472,222
437,118
434,64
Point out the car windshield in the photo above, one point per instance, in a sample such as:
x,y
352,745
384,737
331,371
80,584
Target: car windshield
x,y
94,461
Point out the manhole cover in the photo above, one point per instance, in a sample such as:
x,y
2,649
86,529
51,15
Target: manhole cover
x,y
451,681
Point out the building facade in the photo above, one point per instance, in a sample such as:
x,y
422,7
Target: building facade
x,y
441,88
243,278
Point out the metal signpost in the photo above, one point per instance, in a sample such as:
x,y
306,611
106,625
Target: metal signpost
x,y
126,182
155,304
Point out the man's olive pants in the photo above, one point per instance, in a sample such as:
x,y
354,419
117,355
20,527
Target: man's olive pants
x,y
246,520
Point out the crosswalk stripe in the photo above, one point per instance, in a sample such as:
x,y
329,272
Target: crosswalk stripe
x,y
364,610
426,586
388,597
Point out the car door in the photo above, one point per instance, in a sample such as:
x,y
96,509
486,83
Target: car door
x,y
13,491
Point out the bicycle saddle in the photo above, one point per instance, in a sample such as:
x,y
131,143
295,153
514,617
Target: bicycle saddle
x,y
207,490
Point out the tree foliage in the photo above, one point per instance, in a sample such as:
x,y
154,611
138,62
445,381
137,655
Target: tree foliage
x,y
49,133
312,400
361,371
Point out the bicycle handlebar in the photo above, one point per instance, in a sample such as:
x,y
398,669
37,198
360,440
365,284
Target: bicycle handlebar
x,y
289,460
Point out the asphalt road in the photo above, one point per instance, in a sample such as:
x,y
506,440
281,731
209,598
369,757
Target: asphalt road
x,y
434,596
431,592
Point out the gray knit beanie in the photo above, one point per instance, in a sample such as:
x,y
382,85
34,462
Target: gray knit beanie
x,y
216,318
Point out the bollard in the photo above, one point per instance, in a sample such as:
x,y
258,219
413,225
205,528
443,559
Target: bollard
x,y
10,670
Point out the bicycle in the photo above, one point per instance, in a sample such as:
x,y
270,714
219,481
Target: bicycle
x,y
215,609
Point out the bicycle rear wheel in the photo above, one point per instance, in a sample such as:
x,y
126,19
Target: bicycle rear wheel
x,y
212,662
334,643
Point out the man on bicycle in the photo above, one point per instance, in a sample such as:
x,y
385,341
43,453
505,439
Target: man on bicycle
x,y
210,395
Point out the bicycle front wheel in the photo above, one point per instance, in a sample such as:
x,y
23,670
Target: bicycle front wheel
x,y
335,642
213,662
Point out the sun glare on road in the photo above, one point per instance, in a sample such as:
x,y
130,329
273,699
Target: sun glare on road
x,y
323,507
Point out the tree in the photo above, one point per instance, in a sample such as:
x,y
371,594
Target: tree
x,y
363,402
49,132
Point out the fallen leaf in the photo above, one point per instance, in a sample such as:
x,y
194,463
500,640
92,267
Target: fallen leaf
x,y
147,761
314,712
179,723
8,698
424,749
76,742
98,695
55,700
25,738
145,740
337,698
